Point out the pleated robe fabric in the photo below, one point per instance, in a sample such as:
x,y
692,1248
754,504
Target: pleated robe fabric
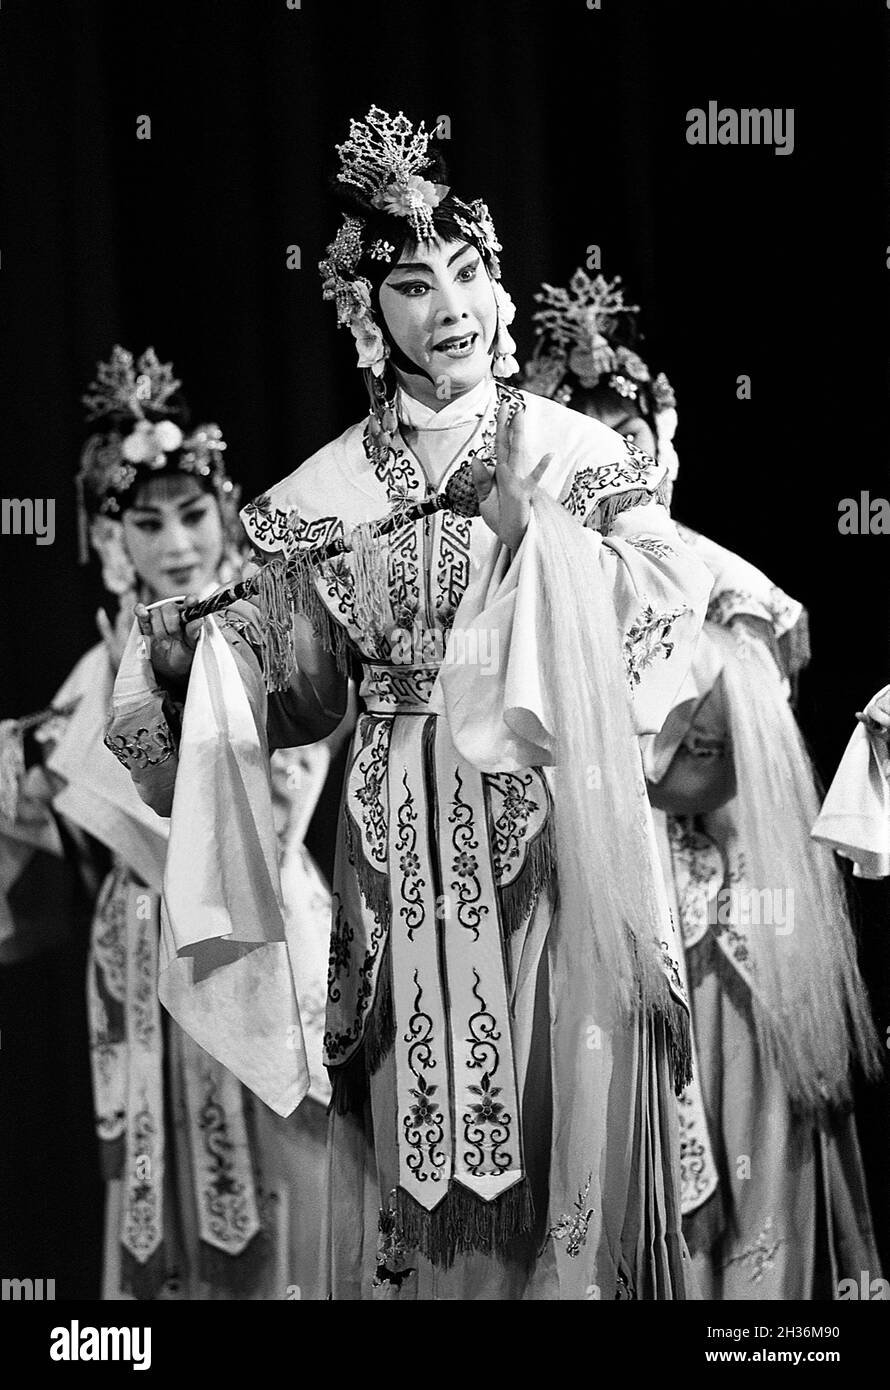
x,y
417,812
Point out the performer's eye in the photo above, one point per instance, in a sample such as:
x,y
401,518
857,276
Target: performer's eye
x,y
148,524
468,272
412,289
194,516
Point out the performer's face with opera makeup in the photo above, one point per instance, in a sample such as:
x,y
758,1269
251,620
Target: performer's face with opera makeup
x,y
439,306
173,533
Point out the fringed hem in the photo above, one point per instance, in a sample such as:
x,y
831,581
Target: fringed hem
x,y
519,898
234,1274
349,1085
679,1042
463,1223
276,625
604,513
349,1080
380,1029
373,885
143,1281
305,599
284,587
814,1102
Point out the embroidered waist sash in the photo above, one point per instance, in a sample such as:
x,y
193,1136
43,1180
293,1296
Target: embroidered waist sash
x,y
428,833
397,689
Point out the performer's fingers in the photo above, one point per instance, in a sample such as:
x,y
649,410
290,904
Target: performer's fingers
x,y
191,630
517,439
106,631
540,469
143,619
501,439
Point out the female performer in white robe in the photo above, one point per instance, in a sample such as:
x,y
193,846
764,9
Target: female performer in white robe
x,y
209,1193
502,1070
774,1199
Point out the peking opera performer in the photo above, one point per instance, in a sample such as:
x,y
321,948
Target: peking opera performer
x,y
208,1193
773,1192
506,1021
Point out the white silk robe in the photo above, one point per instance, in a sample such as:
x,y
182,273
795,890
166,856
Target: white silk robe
x,y
451,1129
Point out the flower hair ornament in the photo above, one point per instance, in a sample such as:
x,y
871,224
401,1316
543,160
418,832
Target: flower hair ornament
x,y
382,164
134,398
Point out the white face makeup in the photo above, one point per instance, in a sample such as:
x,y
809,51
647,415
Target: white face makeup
x,y
174,537
439,306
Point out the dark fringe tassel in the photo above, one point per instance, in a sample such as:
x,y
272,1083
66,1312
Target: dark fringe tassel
x,y
519,898
349,1082
144,1281
305,600
679,1041
349,1085
605,512
380,1029
462,1222
239,1275
373,885
277,621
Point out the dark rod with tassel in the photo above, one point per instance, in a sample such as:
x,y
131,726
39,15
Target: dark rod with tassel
x,y
459,496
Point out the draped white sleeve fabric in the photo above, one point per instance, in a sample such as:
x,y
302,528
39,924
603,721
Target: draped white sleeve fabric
x,y
501,711
855,816
225,972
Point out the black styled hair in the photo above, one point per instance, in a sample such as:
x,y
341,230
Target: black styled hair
x,y
622,332
117,425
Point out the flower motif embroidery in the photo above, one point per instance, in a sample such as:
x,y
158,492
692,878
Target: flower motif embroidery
x,y
573,1228
465,865
760,1255
409,863
487,1110
425,1110
647,639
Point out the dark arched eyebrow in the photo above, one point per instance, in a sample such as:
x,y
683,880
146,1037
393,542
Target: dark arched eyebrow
x,y
149,508
422,265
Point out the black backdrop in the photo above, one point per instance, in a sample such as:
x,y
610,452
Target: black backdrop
x,y
571,122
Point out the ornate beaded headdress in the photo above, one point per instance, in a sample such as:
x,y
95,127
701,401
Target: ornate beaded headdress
x,y
578,336
135,399
382,162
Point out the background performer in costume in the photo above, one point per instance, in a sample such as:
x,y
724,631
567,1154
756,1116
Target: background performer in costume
x,y
774,1199
209,1194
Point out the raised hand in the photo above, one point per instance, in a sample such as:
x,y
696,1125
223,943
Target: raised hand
x,y
505,493
171,646
876,715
